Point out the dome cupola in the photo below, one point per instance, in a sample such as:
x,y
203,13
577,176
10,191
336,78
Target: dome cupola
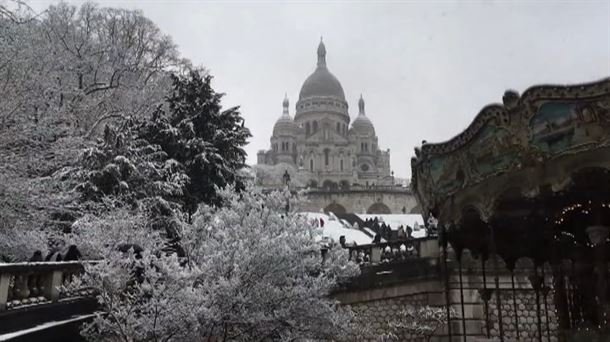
x,y
322,83
322,91
362,125
285,125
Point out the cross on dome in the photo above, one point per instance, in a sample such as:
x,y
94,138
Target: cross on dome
x,y
285,104
321,54
361,106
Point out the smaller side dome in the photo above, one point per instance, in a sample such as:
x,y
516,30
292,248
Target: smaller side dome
x,y
285,125
362,125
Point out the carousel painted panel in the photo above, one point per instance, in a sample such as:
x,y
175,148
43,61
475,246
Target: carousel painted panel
x,y
559,127
494,150
444,173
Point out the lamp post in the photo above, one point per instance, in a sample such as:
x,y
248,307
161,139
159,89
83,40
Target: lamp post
x,y
286,178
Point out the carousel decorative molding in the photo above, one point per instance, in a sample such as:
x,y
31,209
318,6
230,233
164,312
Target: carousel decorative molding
x,y
517,138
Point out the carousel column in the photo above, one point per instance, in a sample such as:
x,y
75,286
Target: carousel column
x,y
493,250
597,236
445,270
561,295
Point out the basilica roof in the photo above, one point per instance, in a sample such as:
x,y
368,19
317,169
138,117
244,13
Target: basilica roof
x,y
322,83
362,125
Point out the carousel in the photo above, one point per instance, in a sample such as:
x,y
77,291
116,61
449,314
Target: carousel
x,y
529,179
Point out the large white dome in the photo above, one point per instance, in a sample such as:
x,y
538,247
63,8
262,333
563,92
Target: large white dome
x,y
322,83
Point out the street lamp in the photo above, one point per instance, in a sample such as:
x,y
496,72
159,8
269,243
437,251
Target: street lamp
x,y
286,178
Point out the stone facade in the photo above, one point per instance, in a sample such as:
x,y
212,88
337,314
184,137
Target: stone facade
x,y
319,141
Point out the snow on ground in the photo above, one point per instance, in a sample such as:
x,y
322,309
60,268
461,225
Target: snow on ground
x,y
333,229
415,221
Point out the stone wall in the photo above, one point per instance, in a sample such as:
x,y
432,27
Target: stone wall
x,y
375,308
378,313
517,301
382,291
360,201
525,318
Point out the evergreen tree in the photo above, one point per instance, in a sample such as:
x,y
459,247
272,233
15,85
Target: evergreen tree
x,y
206,140
182,155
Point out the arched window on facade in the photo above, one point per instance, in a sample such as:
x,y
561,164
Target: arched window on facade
x,y
315,126
310,164
341,164
326,157
338,127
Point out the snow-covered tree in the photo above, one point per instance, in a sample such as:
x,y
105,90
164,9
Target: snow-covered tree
x,y
205,139
253,271
64,74
182,155
19,245
81,66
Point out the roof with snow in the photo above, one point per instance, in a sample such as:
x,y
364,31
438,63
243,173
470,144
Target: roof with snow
x,y
414,221
334,228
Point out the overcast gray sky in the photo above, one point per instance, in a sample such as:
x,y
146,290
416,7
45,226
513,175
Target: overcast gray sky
x,y
425,68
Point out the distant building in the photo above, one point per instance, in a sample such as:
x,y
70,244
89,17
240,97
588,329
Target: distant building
x,y
320,142
323,149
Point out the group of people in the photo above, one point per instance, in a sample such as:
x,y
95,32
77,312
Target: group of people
x,y
317,222
71,254
383,231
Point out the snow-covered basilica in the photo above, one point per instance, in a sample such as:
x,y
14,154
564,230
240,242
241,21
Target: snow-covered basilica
x,y
319,141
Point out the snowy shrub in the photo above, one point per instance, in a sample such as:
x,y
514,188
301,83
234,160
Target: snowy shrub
x,y
18,245
252,270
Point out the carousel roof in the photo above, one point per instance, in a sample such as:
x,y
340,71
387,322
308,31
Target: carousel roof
x,y
528,144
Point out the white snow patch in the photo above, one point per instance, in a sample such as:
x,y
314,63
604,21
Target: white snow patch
x,y
333,229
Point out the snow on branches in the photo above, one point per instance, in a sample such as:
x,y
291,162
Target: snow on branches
x,y
252,270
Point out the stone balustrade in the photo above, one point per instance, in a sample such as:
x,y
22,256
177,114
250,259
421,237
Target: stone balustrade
x,y
36,283
394,251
